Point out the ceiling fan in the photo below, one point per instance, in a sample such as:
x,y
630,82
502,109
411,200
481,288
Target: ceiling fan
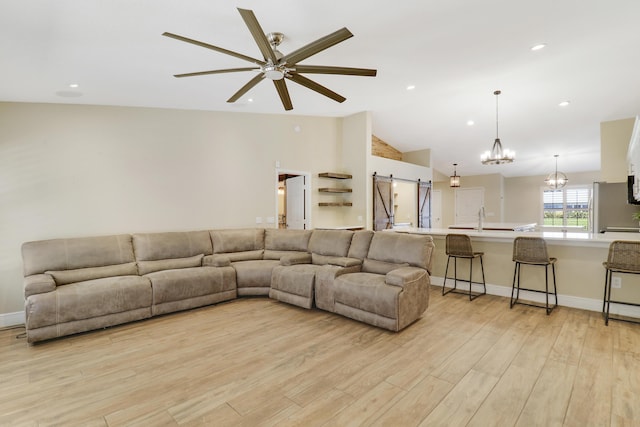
x,y
276,66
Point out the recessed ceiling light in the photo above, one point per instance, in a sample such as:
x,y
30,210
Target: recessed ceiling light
x,y
74,85
411,87
538,46
470,123
250,100
564,103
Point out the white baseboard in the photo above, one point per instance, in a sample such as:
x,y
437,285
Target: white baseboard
x,y
11,319
589,304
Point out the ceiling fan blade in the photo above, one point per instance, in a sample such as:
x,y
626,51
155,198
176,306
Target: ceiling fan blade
x,y
204,73
281,87
212,47
258,35
317,46
244,89
302,80
321,69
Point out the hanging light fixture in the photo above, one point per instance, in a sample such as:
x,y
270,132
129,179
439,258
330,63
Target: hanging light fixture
x,y
556,179
497,155
455,179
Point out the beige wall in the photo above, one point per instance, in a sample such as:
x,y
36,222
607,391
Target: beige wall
x,y
523,195
68,170
614,143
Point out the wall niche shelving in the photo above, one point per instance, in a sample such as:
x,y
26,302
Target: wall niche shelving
x,y
335,189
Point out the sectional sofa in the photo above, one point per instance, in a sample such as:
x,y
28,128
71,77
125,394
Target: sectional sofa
x,y
80,284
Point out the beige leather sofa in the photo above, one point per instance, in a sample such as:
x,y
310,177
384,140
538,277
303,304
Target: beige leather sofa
x,y
81,284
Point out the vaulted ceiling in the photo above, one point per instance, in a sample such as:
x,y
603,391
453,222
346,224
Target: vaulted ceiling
x,y
455,53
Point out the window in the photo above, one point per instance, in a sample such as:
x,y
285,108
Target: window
x,y
566,207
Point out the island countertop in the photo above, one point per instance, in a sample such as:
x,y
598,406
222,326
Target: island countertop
x,y
499,226
552,237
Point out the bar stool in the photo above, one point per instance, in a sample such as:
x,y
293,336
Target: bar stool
x,y
532,251
624,257
459,246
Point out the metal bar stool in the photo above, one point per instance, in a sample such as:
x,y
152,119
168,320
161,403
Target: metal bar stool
x,y
624,257
532,251
459,246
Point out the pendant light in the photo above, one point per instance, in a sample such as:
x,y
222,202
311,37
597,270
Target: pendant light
x,y
556,179
455,179
497,155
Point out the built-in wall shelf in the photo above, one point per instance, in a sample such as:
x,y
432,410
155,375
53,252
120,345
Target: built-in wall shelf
x,y
335,175
335,190
335,204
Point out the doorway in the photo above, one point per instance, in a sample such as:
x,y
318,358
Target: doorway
x,y
293,207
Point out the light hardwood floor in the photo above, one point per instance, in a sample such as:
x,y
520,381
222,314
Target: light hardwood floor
x,y
259,362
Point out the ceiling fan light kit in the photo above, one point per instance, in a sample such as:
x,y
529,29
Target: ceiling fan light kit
x,y
497,155
277,67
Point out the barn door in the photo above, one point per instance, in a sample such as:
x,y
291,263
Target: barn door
x,y
424,204
382,203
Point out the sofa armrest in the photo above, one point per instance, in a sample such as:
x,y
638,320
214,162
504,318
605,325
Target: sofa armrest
x,y
297,258
404,275
345,262
38,284
216,261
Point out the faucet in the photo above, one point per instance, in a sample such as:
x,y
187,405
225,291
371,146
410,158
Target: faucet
x,y
480,217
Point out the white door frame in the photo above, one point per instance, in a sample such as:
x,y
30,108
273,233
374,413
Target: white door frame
x,y
307,193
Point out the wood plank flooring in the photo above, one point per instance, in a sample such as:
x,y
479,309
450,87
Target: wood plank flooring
x,y
255,361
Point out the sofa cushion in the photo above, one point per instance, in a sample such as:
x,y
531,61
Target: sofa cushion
x,y
367,292
415,249
380,267
255,273
241,240
86,300
360,242
82,252
286,240
330,242
176,285
63,277
295,279
171,245
146,267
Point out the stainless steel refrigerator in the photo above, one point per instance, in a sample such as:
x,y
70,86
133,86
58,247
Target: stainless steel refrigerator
x,y
610,210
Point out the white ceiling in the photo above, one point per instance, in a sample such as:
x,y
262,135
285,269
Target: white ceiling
x,y
455,52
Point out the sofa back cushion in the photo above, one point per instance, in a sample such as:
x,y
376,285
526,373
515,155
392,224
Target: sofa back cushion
x,y
330,242
146,267
249,240
360,244
64,277
171,245
278,242
380,267
78,253
413,249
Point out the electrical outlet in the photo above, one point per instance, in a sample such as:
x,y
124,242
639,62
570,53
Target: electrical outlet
x,y
616,282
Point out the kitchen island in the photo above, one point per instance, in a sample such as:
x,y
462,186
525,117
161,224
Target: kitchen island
x,y
579,270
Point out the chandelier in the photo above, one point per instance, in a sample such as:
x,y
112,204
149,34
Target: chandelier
x,y
497,155
455,179
556,179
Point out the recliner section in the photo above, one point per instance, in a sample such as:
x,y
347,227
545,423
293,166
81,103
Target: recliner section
x,y
80,284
